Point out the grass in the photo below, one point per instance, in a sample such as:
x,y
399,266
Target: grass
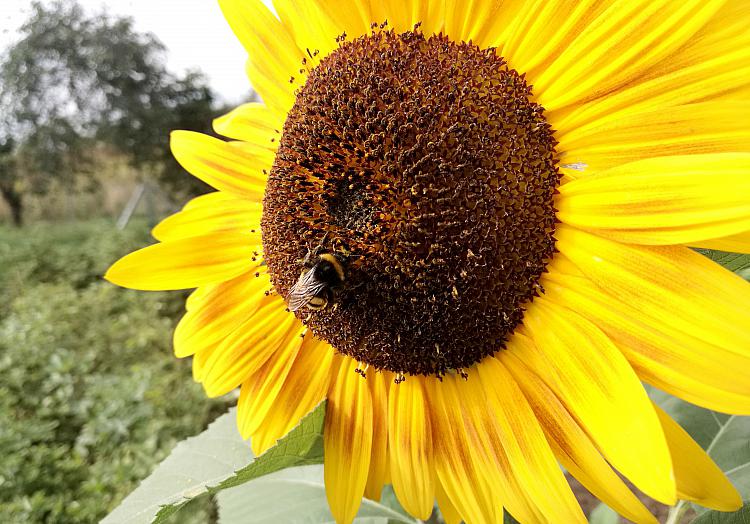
x,y
91,397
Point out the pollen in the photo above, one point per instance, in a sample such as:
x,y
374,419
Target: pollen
x,y
425,166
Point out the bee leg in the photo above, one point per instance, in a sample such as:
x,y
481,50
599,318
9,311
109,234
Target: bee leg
x,y
320,248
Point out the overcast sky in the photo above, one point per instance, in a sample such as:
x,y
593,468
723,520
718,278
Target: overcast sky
x,y
194,31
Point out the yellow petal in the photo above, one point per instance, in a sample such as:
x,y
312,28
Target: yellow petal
x,y
184,263
542,29
252,122
709,127
410,448
231,167
571,445
447,509
208,200
726,32
530,456
199,363
432,15
739,243
495,24
626,38
248,347
664,200
305,387
714,62
278,95
348,442
239,215
270,46
212,317
376,478
487,23
456,18
673,360
465,488
502,485
494,483
674,285
311,27
595,382
352,16
197,295
258,394
355,18
723,34
699,479
401,13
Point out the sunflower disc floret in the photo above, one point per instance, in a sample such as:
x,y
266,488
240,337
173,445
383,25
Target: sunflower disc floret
x,y
424,165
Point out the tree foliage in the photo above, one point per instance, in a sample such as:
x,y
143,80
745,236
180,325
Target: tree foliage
x,y
73,79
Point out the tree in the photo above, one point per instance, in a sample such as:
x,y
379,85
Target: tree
x,y
72,80
8,182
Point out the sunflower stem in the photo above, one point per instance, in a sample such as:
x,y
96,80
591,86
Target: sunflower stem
x,y
676,512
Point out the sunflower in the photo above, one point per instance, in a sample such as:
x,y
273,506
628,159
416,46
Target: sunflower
x,y
484,211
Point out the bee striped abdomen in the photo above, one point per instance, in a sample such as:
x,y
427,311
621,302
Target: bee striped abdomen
x,y
317,302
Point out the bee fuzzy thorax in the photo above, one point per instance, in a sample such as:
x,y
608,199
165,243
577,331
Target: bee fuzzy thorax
x,y
336,264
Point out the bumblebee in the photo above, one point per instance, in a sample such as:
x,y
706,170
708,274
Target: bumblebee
x,y
318,283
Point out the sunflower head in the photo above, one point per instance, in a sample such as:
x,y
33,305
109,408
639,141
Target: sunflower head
x,y
419,159
425,165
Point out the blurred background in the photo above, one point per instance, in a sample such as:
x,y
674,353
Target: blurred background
x,y
91,397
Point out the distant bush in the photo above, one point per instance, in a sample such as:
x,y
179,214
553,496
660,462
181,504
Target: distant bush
x,y
77,252
91,397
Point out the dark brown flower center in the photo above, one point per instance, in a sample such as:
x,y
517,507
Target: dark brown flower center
x,y
426,169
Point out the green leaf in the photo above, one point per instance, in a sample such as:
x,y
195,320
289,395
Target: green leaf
x,y
508,518
294,495
726,438
216,459
730,449
732,261
303,446
603,514
719,517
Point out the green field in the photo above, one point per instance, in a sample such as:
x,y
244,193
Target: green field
x,y
91,397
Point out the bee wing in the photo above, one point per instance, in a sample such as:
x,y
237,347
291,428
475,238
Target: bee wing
x,y
304,290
